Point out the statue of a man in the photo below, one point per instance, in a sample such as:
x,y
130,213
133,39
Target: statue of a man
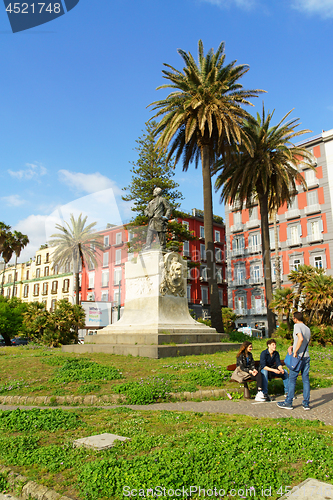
x,y
159,212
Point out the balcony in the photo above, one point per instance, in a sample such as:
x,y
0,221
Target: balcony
x,y
293,214
312,209
238,252
241,312
254,248
252,223
294,242
256,280
258,311
312,183
239,282
312,238
236,228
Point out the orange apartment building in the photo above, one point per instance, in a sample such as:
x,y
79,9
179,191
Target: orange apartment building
x,y
305,234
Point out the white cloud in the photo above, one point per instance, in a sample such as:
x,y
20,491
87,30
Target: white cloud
x,y
242,4
87,183
13,200
34,227
322,7
32,171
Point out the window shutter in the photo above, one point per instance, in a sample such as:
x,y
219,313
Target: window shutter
x,y
299,229
309,228
288,233
259,239
321,226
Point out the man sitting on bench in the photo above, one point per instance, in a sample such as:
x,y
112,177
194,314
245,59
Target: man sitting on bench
x,y
270,365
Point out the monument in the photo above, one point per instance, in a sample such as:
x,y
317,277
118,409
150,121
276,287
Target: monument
x,y
156,322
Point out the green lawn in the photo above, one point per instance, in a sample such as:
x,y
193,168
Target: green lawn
x,y
167,449
38,371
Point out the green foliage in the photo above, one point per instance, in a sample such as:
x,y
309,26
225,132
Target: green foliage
x,y
3,482
209,375
89,389
12,386
322,334
83,369
283,332
229,318
205,321
179,462
145,391
54,328
37,419
11,318
235,336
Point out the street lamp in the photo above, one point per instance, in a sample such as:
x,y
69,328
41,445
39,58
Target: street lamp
x,y
119,285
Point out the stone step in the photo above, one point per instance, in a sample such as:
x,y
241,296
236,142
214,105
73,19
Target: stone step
x,y
153,351
154,339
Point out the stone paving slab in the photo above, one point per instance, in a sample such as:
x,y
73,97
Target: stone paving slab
x,y
99,441
7,497
310,489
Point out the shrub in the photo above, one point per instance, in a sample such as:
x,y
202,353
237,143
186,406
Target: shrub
x,y
145,391
322,334
37,419
83,369
238,336
229,318
284,332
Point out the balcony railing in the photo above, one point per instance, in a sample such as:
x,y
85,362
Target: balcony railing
x,y
241,312
312,209
292,214
312,183
254,280
252,223
254,248
258,311
236,252
239,282
311,238
294,242
236,228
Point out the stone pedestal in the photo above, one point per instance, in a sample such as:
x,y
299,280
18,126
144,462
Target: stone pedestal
x,y
156,322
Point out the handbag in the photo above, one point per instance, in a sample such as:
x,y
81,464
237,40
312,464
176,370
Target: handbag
x,y
293,363
239,375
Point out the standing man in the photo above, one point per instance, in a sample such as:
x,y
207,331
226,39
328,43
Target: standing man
x,y
270,364
302,337
158,211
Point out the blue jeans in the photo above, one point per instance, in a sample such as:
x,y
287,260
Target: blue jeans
x,y
305,369
265,375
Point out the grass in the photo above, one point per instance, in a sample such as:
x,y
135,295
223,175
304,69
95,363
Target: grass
x,y
166,449
32,371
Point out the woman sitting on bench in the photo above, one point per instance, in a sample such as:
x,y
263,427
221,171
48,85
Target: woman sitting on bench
x,y
246,363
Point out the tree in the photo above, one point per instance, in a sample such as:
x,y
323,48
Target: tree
x,y
282,303
7,246
151,170
20,241
11,318
76,243
36,319
200,119
269,173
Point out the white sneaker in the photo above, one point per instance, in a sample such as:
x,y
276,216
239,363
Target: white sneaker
x,y
260,396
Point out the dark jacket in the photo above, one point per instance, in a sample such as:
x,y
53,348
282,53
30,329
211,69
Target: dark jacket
x,y
271,361
244,364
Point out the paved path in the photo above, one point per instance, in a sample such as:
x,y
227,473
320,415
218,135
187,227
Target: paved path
x,y
321,407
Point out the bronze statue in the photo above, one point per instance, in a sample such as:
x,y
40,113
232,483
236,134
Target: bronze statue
x,y
159,212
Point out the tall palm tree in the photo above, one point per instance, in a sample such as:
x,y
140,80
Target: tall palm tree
x,y
7,249
200,119
299,278
269,171
75,244
282,303
20,241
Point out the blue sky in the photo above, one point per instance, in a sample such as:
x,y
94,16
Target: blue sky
x,y
74,94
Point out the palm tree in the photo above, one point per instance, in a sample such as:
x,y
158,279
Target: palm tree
x,y
201,118
282,303
20,241
75,244
269,172
318,303
299,278
7,249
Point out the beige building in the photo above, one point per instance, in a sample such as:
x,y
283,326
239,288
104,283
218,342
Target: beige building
x,y
40,280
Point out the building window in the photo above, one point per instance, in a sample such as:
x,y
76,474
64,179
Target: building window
x,y
38,272
294,234
202,231
26,291
240,275
91,296
65,287
253,214
53,305
117,276
203,273
15,291
118,257
105,296
10,278
130,235
105,259
186,225
116,297
38,259
312,197
217,237
47,257
240,305
296,264
46,271
36,289
105,278
219,274
257,304
27,275
118,239
8,292
91,280
54,288
188,293
106,241
238,245
218,254
186,248
237,218
204,295
255,272
255,242
272,237
45,288
310,177
318,262
202,252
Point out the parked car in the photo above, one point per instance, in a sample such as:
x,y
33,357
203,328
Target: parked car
x,y
19,341
2,342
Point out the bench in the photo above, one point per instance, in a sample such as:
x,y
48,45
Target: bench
x,y
232,368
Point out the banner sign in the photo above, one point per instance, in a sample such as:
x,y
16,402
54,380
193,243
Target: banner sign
x,y
97,313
